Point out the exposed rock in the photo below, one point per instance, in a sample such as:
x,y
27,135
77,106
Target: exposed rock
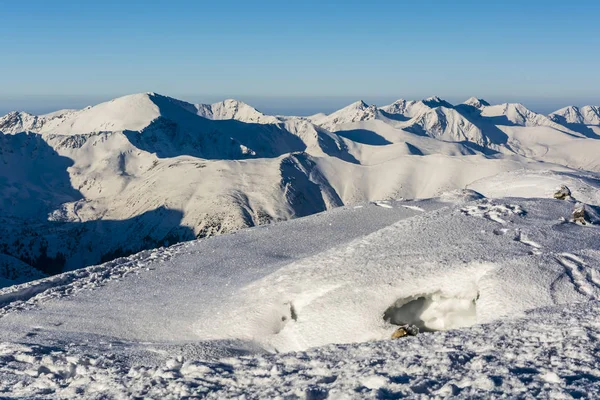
x,y
563,193
405,330
580,215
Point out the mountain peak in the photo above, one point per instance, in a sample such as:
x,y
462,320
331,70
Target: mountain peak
x,y
234,109
435,101
360,104
477,103
233,101
355,112
589,115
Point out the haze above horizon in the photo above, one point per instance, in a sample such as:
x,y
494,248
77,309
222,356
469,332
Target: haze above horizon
x,y
299,57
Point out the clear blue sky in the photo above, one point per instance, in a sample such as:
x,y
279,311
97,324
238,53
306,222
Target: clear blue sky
x,y
288,54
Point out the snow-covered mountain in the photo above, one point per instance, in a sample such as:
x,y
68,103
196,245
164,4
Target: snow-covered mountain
x,y
355,112
83,186
446,124
519,115
475,121
585,120
19,121
477,103
425,213
234,109
588,115
405,108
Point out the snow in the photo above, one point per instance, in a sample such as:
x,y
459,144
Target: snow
x,y
234,109
540,184
588,115
477,103
355,112
147,170
206,318
406,108
310,255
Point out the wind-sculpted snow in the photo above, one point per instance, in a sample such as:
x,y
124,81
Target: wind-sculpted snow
x,y
206,318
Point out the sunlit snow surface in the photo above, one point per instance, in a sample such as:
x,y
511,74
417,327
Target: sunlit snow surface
x,y
80,187
505,289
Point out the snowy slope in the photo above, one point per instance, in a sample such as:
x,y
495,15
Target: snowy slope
x,y
505,291
355,112
19,121
588,115
405,109
82,187
519,115
234,109
540,184
446,124
585,120
477,103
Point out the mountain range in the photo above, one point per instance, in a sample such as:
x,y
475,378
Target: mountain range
x,y
80,187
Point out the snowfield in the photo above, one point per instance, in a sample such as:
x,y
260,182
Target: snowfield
x,y
505,292
153,248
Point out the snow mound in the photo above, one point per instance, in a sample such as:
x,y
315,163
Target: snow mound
x,y
433,312
528,356
461,196
584,187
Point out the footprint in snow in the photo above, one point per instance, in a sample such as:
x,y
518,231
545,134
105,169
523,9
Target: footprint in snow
x,y
582,276
521,237
493,212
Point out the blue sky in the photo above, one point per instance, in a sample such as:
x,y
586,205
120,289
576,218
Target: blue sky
x,y
286,56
